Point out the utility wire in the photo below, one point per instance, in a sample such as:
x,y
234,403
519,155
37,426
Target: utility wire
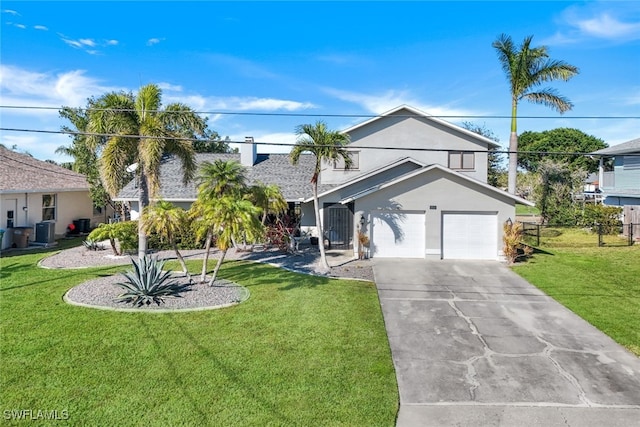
x,y
286,144
365,116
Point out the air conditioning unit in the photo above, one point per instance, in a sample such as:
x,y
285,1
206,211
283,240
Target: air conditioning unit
x,y
45,232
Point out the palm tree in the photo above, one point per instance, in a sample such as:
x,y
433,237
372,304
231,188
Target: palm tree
x,y
168,221
232,217
135,130
268,198
218,179
527,68
327,146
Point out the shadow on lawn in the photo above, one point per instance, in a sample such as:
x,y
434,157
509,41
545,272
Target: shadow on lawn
x,y
233,376
255,274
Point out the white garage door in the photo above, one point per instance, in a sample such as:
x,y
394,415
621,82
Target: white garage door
x,y
469,235
397,234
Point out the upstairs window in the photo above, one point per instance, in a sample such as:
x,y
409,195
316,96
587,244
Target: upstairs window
x,y
631,162
461,161
355,161
48,207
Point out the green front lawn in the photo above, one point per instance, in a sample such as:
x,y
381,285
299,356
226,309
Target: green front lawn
x,y
301,351
600,284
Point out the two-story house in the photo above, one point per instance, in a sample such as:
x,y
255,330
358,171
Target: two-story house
x,y
619,173
417,188
619,176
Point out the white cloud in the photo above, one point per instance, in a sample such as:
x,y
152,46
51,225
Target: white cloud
x,y
153,41
21,26
380,103
40,147
170,87
11,12
87,44
111,42
28,88
201,103
41,27
598,20
608,27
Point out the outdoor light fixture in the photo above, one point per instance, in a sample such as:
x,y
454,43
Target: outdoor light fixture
x,y
509,222
362,220
24,208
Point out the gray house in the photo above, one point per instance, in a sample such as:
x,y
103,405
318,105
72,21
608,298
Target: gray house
x,y
619,173
417,188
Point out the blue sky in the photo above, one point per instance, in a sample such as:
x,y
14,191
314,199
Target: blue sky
x,y
315,58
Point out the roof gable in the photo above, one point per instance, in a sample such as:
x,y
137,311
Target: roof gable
x,y
20,173
412,111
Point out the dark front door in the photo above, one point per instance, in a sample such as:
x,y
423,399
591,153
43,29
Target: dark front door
x,y
338,225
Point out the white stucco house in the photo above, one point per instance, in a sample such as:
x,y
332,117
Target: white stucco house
x,y
417,188
34,192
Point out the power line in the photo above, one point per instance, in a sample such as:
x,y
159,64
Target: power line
x,y
363,116
287,144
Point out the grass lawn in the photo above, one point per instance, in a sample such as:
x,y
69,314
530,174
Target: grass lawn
x,y
527,210
301,351
600,284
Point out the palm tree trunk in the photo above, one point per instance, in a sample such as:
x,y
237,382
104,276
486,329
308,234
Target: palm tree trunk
x,y
143,202
513,162
207,246
316,204
513,148
112,241
185,270
215,271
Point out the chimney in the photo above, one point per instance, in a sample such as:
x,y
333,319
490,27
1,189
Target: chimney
x,y
248,152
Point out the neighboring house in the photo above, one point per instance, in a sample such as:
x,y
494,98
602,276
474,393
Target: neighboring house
x,y
417,188
33,192
619,176
620,173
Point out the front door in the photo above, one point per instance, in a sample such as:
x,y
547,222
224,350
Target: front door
x,y
338,225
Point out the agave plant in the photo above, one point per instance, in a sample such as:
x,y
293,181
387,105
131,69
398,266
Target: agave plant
x,y
148,283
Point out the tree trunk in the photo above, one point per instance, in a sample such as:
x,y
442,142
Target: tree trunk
x,y
185,270
112,241
207,246
316,204
215,271
143,202
513,148
513,162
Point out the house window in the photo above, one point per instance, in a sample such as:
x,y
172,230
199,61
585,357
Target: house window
x,y
355,161
48,207
461,160
631,162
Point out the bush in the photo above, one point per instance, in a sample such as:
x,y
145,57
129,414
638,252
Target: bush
x,y
607,216
148,283
125,233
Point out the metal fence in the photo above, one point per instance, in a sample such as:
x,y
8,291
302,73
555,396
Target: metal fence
x,y
630,231
623,235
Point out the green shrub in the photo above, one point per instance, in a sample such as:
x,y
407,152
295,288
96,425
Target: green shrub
x,y
125,233
607,216
148,283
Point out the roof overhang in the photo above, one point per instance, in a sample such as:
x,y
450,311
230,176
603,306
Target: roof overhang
x,y
369,174
44,190
409,175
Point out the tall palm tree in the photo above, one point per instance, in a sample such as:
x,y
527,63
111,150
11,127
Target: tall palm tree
x,y
218,179
233,217
327,146
168,221
136,130
527,68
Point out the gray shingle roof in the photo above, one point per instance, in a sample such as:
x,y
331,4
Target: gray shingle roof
x,y
24,174
294,181
628,147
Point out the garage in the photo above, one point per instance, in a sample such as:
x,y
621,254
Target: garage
x,y
469,235
398,234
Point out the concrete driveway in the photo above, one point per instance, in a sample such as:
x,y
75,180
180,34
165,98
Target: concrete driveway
x,y
474,344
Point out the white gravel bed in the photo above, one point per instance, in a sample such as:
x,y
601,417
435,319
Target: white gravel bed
x,y
102,293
